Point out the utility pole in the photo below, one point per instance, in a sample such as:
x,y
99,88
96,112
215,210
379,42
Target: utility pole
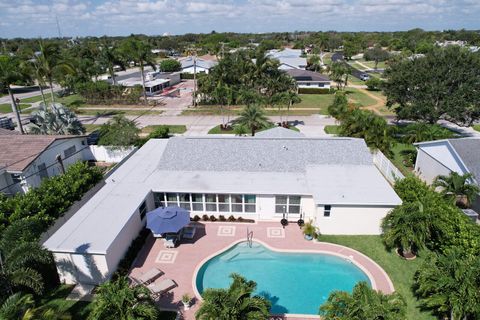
x,y
58,27
194,95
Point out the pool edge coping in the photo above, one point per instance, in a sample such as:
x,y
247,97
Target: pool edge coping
x,y
337,254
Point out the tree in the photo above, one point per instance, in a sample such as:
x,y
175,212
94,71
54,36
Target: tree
x,y
440,85
315,63
418,132
448,285
339,107
339,72
9,73
170,65
350,48
376,54
22,307
460,188
141,53
373,83
56,119
363,303
407,227
234,303
119,131
252,117
110,57
117,300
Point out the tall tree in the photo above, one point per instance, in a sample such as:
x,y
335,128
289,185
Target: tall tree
x,y
117,300
460,188
252,117
110,57
441,85
236,302
10,72
376,54
140,52
363,303
339,72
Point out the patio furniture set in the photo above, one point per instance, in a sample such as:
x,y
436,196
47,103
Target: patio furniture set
x,y
152,280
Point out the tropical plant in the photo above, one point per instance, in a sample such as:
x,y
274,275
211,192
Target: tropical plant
x,y
309,230
10,72
363,303
117,300
119,131
407,227
460,188
420,131
339,107
110,57
236,302
339,72
170,65
252,117
315,63
448,285
55,119
140,52
22,307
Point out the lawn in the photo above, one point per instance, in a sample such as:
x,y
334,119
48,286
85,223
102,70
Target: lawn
x,y
173,128
332,129
476,127
7,107
320,101
91,127
401,271
398,156
79,310
360,98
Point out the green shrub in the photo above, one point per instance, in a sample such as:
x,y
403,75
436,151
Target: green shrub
x,y
373,83
186,76
101,92
170,65
315,90
161,132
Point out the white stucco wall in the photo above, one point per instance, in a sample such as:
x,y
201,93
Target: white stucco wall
x,y
85,268
199,70
428,168
351,220
323,85
106,153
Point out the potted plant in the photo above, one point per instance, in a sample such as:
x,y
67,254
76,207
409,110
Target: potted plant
x,y
186,299
309,230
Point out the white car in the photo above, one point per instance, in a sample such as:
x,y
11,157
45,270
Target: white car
x,y
364,77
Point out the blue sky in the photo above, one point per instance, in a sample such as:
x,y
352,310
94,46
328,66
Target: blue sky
x,y
36,18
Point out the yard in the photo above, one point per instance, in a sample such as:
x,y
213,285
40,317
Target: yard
x,y
399,158
476,127
7,107
332,129
401,271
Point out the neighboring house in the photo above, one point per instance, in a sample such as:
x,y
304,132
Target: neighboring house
x,y
155,82
309,79
27,159
441,157
198,65
288,58
331,181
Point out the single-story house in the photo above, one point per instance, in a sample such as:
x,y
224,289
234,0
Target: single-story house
x,y
198,65
155,82
309,79
27,159
289,58
441,157
331,181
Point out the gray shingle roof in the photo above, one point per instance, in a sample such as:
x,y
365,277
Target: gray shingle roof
x,y
305,75
257,154
469,150
279,132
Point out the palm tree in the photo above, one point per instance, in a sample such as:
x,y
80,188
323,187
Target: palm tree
x,y
234,303
9,73
51,63
315,63
22,307
339,72
458,187
110,57
363,303
448,284
141,53
407,227
117,300
252,117
56,119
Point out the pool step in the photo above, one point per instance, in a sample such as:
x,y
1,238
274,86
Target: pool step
x,y
259,252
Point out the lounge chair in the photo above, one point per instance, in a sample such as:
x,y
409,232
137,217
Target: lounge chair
x,y
150,276
160,287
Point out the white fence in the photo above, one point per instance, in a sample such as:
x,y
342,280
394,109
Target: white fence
x,y
386,167
106,153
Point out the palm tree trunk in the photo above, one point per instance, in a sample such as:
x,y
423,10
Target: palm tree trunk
x,y
15,110
51,90
143,82
42,93
253,131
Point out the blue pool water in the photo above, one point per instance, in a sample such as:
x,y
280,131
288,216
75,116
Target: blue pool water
x,y
294,282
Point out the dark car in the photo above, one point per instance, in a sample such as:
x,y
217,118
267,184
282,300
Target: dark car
x,y
93,137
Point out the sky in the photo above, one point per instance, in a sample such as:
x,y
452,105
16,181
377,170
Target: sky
x,y
37,18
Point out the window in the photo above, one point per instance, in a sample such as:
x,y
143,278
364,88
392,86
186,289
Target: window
x,y
211,202
197,202
184,201
143,210
223,203
287,204
42,171
326,210
250,200
159,199
172,199
321,85
69,152
16,177
237,203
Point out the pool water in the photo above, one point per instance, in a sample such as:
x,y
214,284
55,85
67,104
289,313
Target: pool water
x,y
294,282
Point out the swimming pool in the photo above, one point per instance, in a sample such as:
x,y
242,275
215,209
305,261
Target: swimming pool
x,y
295,283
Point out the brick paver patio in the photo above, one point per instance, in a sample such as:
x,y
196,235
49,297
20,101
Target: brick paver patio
x,y
180,263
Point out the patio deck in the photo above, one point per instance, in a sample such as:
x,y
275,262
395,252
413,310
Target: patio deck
x,y
180,264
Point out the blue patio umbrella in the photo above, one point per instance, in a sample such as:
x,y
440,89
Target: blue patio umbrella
x,y
167,220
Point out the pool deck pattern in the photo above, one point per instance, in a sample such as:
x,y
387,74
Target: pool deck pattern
x,y
181,263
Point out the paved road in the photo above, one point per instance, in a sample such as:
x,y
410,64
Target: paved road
x,y
27,92
338,56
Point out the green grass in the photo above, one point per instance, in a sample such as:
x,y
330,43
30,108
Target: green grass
x,y
173,128
401,271
476,127
398,157
320,101
35,98
7,107
332,129
360,98
91,127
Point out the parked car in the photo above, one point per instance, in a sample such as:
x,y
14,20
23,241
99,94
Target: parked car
x,y
93,137
364,77
6,123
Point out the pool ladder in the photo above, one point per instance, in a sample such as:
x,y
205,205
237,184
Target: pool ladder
x,y
249,237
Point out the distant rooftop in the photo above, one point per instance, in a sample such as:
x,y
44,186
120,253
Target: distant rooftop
x,y
306,75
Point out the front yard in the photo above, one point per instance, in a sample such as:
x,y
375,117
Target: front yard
x,y
401,271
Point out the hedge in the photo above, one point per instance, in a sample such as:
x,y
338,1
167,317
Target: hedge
x,y
315,90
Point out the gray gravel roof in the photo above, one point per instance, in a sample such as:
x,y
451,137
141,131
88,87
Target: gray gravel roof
x,y
279,132
469,150
257,154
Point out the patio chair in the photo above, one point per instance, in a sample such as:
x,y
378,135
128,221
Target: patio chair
x,y
150,276
170,243
188,232
160,287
